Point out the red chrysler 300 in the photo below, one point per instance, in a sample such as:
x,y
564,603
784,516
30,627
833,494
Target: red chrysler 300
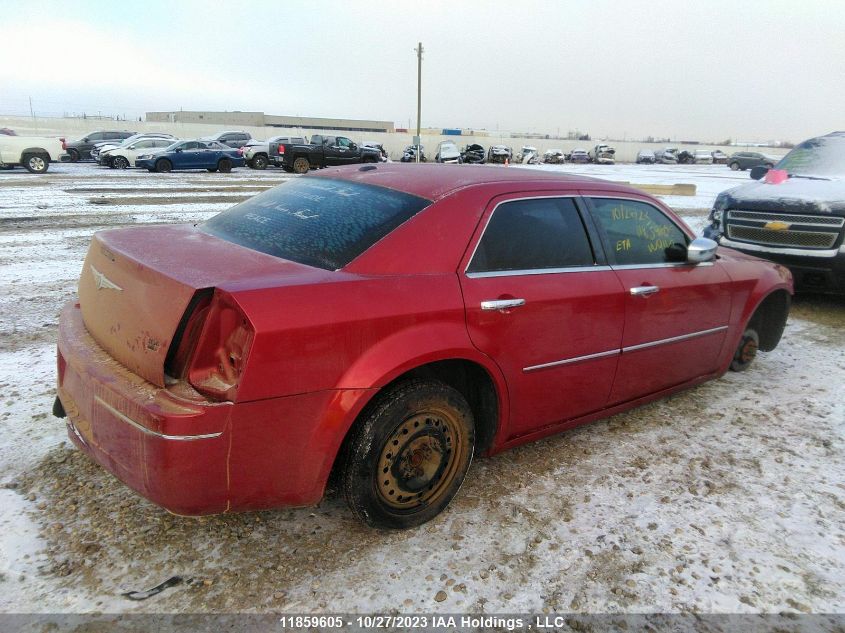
x,y
386,323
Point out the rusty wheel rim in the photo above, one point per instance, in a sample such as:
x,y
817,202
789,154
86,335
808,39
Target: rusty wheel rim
x,y
748,351
419,460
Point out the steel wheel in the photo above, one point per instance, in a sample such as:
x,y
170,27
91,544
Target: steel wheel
x,y
301,165
120,162
417,463
407,456
746,351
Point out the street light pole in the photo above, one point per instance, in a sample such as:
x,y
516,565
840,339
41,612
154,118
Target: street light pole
x,y
419,50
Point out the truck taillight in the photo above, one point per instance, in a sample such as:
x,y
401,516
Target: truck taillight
x,y
220,350
64,143
281,148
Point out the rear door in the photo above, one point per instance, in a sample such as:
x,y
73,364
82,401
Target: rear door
x,y
676,314
542,303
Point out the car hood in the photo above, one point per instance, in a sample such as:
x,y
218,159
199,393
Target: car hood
x,y
799,195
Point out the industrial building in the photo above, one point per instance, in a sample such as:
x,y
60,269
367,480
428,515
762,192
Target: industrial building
x,y
259,119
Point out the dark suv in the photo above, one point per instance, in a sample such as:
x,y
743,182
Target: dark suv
x,y
81,148
232,139
747,160
794,216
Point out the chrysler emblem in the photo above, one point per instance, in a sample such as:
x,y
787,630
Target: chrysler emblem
x,y
102,281
777,226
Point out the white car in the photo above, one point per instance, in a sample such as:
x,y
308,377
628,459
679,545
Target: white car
x,y
124,156
448,152
528,155
98,152
34,153
702,157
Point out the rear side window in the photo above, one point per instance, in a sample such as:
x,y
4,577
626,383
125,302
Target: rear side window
x,y
636,233
319,222
537,234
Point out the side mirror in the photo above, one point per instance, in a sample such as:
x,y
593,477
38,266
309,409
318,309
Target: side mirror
x,y
353,147
758,172
85,140
178,149
131,147
701,250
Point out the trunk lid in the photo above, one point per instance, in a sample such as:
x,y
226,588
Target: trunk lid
x,y
137,282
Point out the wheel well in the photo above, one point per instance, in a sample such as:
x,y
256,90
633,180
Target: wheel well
x,y
35,150
769,319
467,377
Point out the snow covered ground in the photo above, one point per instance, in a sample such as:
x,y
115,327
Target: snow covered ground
x,y
727,498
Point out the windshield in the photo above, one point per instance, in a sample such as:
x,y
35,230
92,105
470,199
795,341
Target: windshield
x,y
823,156
319,222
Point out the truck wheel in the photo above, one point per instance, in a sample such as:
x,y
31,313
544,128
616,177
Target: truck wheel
x,y
36,163
120,162
301,165
734,166
163,165
224,165
408,455
259,161
746,351
74,155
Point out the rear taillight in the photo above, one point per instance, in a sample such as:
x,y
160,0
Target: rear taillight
x,y
187,334
64,143
219,353
281,148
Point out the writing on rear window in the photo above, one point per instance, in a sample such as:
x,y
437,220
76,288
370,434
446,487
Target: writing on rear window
x,y
316,221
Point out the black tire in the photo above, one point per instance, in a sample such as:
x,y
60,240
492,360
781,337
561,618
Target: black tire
x,y
301,165
408,455
734,166
746,351
36,163
74,155
224,165
163,165
259,161
119,162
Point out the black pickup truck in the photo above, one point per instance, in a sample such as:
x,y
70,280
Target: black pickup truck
x,y
322,151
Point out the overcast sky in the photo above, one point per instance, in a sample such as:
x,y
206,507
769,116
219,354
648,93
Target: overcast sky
x,y
749,70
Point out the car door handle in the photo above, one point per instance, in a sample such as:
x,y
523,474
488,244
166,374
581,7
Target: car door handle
x,y
502,304
644,291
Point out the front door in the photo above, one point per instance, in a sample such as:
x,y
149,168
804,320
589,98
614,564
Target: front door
x,y
541,302
676,314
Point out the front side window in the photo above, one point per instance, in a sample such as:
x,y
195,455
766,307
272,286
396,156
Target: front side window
x,y
342,141
636,233
535,234
319,222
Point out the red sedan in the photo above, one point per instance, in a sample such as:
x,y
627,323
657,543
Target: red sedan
x,y
387,323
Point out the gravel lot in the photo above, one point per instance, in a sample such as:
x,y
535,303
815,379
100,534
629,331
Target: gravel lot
x,y
726,498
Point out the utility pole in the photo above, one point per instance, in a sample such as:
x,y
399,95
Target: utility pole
x,y
419,50
31,111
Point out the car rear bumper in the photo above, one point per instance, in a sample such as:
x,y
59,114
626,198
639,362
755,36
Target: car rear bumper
x,y
195,457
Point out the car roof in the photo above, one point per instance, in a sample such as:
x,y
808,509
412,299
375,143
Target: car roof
x,y
435,181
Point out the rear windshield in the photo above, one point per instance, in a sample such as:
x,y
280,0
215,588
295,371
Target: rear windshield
x,y
319,222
